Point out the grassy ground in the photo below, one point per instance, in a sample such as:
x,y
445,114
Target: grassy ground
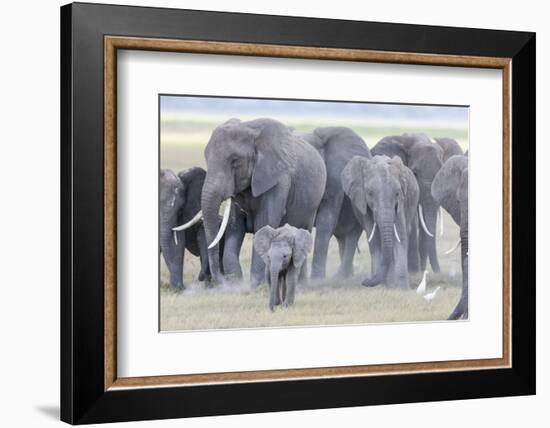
x,y
326,303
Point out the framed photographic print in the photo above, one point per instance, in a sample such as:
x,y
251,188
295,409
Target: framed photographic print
x,y
265,213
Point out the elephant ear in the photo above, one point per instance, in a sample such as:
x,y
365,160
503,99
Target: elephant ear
x,y
272,158
193,180
446,184
262,241
303,242
400,170
462,191
352,182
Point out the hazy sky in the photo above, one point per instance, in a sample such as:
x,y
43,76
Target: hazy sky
x,y
265,107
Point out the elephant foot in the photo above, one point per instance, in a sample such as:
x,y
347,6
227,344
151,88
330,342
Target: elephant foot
x,y
212,281
317,276
288,303
178,288
343,274
371,282
255,283
203,276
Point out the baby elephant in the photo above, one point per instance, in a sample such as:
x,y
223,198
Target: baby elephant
x,y
284,251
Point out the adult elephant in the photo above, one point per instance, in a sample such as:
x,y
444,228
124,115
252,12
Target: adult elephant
x,y
424,159
179,203
273,175
384,195
337,146
450,189
450,147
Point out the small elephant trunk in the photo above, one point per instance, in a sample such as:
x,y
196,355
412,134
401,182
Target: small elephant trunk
x,y
274,292
277,278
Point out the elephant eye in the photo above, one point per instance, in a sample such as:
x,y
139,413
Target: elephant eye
x,y
234,162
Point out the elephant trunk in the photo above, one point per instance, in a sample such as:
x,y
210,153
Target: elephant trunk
x,y
274,298
172,245
275,271
210,202
386,227
461,309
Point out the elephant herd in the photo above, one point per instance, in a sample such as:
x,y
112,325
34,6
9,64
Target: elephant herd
x,y
278,184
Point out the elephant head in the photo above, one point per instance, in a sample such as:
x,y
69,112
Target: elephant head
x,y
391,146
450,189
450,147
425,160
241,156
383,192
179,202
283,250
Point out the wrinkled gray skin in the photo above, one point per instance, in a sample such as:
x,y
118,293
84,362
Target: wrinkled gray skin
x,y
284,251
337,146
450,147
179,202
424,159
273,175
384,191
450,189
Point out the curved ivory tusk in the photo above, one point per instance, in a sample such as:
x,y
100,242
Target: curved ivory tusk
x,y
441,227
454,247
175,237
396,234
225,220
422,222
190,223
372,233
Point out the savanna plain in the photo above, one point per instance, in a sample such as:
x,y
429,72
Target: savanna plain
x,y
329,302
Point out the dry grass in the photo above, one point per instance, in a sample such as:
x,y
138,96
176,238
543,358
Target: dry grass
x,y
327,303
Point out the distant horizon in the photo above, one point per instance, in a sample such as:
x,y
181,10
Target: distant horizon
x,y
233,106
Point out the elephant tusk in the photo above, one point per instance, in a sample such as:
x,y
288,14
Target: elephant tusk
x,y
225,220
396,234
175,237
372,233
441,227
190,223
454,247
422,222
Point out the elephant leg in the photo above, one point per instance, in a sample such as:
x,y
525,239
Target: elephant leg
x,y
291,282
423,249
348,253
413,248
325,223
427,243
303,277
232,249
341,245
432,254
204,274
257,272
401,271
173,254
427,249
